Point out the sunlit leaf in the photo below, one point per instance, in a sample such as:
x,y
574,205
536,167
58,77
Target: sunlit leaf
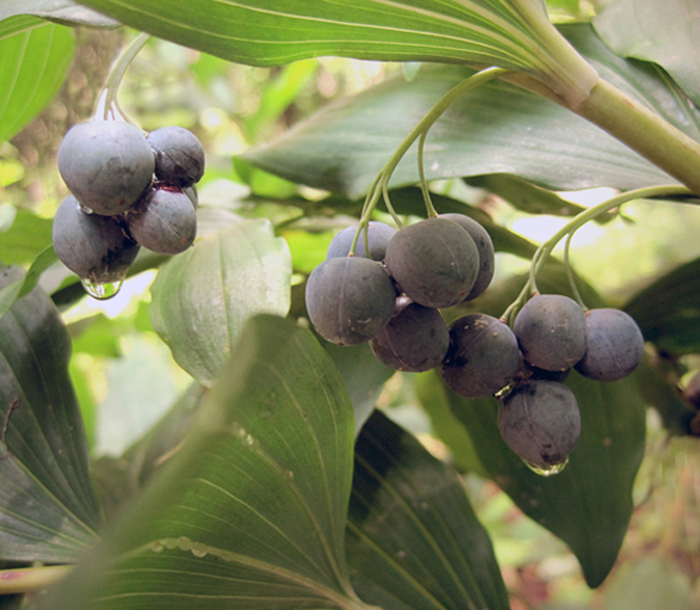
x,y
668,311
23,285
47,509
33,66
413,535
250,512
508,33
203,297
665,33
28,235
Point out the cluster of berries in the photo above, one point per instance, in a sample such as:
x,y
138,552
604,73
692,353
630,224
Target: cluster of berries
x,y
127,190
390,295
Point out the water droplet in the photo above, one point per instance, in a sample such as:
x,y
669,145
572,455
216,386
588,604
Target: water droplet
x,y
547,471
198,550
289,475
184,543
157,547
99,291
85,210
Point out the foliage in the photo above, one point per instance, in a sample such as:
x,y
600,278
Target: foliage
x,y
273,481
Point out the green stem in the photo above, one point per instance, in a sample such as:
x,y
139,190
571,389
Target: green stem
x,y
545,249
119,70
570,272
645,132
26,580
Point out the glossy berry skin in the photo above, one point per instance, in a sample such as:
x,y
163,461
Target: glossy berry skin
x,y
94,247
552,332
435,262
378,235
615,345
164,221
540,421
415,340
349,299
483,356
179,156
487,254
107,165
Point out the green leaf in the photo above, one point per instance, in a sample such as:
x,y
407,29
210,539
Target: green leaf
x,y
589,504
33,66
28,235
10,292
664,33
251,510
412,534
61,11
498,128
364,377
47,509
668,311
513,34
203,297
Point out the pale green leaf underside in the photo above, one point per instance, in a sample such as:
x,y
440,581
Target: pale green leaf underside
x,y
667,33
251,511
497,128
33,64
48,508
512,34
203,297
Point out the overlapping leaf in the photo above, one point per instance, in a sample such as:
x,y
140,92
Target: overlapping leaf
x,y
33,65
666,33
251,510
47,508
203,297
498,128
509,33
413,538
63,11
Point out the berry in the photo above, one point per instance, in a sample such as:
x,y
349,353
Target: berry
x,y
94,247
435,262
540,421
415,340
349,299
378,235
615,345
107,165
164,221
179,156
552,332
483,356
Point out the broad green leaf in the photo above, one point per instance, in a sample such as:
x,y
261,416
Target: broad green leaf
x,y
497,128
412,534
203,297
33,66
47,509
665,33
668,311
589,504
61,11
250,512
514,34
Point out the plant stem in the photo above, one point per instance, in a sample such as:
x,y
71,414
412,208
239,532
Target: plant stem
x,y
119,70
576,223
26,580
645,132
